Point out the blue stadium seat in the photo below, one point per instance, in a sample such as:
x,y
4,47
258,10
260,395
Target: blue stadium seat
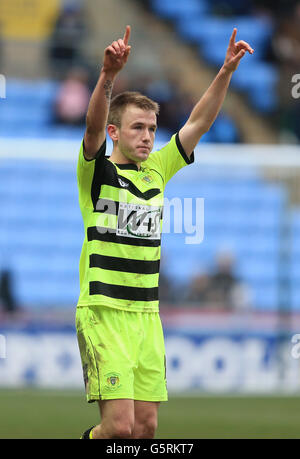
x,y
294,298
217,30
224,130
265,296
258,269
243,217
33,119
43,231
31,92
16,120
265,100
295,231
259,79
41,291
181,272
241,242
211,34
170,9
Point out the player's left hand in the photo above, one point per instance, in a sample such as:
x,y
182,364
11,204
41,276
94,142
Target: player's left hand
x,y
235,52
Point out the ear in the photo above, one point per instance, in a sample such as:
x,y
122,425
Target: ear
x,y
113,132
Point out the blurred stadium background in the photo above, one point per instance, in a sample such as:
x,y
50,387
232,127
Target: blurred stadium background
x,y
230,305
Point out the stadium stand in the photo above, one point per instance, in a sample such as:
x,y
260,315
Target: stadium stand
x,y
28,21
197,24
41,233
17,120
243,216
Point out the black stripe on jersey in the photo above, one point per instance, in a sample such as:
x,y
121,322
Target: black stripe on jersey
x,y
122,292
188,160
107,206
105,173
95,233
124,264
100,152
97,180
149,194
112,179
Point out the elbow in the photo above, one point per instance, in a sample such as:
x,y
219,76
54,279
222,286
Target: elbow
x,y
199,127
204,129
89,125
91,129
204,126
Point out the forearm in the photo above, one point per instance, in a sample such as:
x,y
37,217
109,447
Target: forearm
x,y
115,57
207,109
98,109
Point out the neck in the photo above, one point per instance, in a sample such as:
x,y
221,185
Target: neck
x,y
118,158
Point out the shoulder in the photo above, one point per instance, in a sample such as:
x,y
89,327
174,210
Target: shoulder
x,y
170,151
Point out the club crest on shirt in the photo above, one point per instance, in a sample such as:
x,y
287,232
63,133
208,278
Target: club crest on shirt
x,y
112,381
147,178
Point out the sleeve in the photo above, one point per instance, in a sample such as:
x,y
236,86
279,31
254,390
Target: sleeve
x,y
86,166
85,173
171,158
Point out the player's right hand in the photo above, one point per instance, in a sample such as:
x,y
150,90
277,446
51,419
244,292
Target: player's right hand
x,y
116,55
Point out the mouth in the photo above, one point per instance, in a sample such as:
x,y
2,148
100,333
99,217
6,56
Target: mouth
x,y
143,148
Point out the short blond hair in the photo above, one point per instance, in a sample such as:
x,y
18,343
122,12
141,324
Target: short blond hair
x,y
121,101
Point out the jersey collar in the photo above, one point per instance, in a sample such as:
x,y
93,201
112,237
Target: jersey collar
x,y
132,167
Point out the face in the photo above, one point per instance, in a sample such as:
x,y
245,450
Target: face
x,y
135,137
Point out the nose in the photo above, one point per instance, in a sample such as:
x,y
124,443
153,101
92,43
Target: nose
x,y
146,135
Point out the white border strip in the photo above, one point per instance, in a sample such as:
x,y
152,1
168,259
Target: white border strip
x,y
209,154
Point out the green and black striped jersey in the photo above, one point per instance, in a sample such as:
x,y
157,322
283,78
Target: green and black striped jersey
x,y
121,207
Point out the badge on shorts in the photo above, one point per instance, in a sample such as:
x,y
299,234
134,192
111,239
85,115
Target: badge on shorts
x,y
112,381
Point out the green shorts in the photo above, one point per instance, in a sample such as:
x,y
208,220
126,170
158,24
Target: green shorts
x,y
122,354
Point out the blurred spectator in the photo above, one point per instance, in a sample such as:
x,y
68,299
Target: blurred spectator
x,y
72,99
6,292
199,289
286,49
166,293
286,40
175,105
223,281
66,40
278,7
221,289
231,7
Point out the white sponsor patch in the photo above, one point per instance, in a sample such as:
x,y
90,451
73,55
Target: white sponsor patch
x,y
136,220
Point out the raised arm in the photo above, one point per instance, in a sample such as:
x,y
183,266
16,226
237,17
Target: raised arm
x,y
206,110
115,57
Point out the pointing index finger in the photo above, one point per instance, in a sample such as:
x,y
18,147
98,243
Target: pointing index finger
x,y
233,35
127,35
